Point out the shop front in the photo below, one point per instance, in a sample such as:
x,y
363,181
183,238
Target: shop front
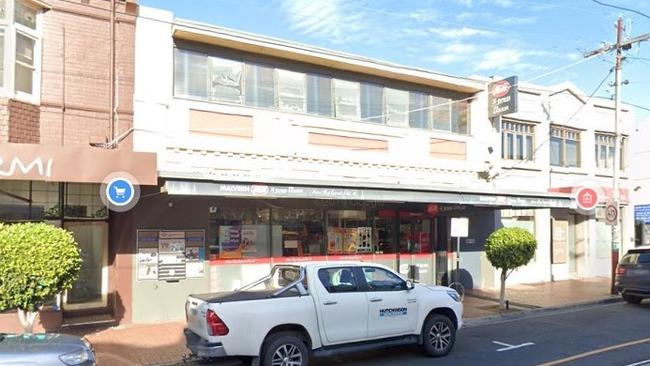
x,y
229,234
61,186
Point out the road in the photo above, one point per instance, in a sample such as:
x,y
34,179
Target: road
x,y
617,335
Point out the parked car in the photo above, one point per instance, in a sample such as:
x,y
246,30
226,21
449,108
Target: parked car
x,y
43,349
633,275
322,309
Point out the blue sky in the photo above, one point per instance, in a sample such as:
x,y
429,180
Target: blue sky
x,y
460,37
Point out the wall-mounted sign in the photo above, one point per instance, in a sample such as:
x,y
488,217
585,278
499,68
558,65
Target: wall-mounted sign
x,y
587,198
502,97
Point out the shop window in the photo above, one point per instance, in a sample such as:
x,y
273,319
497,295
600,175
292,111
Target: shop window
x,y
190,74
460,117
517,141
338,279
419,110
291,91
297,232
346,99
397,107
414,233
379,279
225,80
523,219
239,233
565,147
372,103
83,201
260,86
319,95
26,201
605,151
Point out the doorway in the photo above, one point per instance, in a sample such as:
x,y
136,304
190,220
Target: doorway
x,y
90,289
441,247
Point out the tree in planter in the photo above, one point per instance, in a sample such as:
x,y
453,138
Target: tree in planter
x,y
37,261
508,249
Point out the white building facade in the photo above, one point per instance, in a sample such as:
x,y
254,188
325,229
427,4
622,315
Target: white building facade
x,y
279,152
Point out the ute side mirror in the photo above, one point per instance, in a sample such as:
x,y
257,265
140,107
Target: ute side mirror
x,y
410,285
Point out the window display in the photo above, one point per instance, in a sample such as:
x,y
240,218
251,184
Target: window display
x,y
239,233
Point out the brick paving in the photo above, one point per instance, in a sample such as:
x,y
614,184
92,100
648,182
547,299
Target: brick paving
x,y
552,294
161,344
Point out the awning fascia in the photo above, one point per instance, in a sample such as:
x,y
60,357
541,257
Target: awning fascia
x,y
274,191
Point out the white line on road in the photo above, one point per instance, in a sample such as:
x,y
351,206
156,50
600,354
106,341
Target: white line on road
x,y
640,363
508,347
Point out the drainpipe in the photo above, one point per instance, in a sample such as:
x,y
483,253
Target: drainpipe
x,y
111,73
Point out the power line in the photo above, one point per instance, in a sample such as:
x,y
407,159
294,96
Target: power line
x,y
621,8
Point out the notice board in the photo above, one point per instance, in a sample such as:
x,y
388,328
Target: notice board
x,y
170,255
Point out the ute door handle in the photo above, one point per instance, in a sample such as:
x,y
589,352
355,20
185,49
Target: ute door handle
x,y
411,301
375,299
331,302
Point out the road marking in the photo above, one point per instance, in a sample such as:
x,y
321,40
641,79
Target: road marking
x,y
595,352
640,363
508,347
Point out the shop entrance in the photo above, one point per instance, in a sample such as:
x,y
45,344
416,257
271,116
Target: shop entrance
x,y
91,287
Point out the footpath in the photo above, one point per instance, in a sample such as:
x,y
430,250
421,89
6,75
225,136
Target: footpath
x,y
163,344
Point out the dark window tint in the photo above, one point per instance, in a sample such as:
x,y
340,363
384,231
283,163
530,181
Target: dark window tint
x,y
644,258
338,279
379,279
628,259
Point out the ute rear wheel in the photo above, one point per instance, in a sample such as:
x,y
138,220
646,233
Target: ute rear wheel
x,y
285,349
438,336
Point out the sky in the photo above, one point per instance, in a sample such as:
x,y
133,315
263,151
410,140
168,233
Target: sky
x,y
526,38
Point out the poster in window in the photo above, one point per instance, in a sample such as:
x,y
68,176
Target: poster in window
x,y
350,240
365,239
334,240
194,262
560,241
171,255
147,263
230,242
249,239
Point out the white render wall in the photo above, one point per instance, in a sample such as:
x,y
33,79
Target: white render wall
x,y
161,126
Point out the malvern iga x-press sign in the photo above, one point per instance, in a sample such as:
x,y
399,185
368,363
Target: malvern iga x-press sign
x,y
502,97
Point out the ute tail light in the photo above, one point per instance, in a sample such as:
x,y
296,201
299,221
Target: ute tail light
x,y
620,271
216,326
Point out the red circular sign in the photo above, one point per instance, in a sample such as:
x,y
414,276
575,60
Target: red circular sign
x,y
587,198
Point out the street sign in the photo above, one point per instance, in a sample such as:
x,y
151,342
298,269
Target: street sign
x,y
459,227
611,213
502,97
642,213
587,198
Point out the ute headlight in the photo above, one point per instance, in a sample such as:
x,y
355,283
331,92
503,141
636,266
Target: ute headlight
x,y
75,358
454,295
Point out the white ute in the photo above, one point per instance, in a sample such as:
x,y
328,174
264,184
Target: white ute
x,y
321,309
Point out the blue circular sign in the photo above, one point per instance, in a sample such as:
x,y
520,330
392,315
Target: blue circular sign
x,y
120,192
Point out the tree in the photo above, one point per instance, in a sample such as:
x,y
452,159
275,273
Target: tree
x,y
508,249
37,262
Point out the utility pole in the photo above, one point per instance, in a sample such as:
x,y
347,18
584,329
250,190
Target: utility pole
x,y
619,47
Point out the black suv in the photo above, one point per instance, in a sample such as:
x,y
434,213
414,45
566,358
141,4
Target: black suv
x,y
633,275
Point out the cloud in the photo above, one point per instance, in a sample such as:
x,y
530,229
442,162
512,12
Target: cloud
x,y
326,19
456,52
499,59
466,16
463,32
501,3
423,15
517,20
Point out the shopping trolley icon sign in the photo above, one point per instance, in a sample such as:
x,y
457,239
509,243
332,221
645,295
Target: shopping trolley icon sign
x,y
119,192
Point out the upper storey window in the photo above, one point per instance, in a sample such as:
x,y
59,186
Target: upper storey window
x,y
20,48
217,79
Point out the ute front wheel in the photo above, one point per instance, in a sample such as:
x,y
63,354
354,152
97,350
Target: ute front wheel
x,y
438,336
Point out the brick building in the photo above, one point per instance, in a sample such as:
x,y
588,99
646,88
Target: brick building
x,y
66,117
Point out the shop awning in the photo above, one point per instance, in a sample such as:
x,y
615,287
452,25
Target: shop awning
x,y
252,190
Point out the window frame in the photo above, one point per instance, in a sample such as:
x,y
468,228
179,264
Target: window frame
x,y
608,140
564,134
516,129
